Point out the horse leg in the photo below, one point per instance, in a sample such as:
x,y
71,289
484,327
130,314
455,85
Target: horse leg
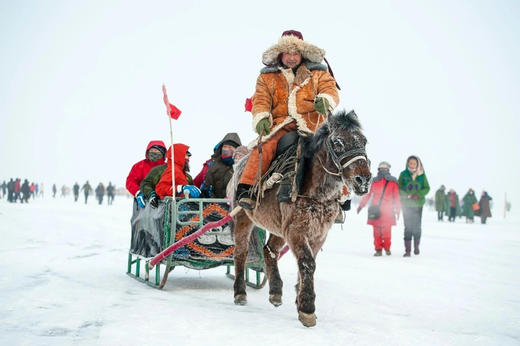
x,y
306,267
271,252
242,229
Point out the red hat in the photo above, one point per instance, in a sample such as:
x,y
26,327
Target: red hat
x,y
293,33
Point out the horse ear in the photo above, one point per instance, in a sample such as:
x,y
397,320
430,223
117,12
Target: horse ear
x,y
332,121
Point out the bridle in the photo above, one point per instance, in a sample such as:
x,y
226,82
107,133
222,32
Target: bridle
x,y
357,153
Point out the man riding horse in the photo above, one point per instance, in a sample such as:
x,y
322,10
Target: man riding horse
x,y
294,92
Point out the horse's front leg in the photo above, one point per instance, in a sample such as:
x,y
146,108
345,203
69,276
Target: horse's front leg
x,y
271,253
242,230
306,267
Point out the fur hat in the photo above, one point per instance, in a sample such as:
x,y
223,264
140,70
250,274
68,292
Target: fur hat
x,y
292,42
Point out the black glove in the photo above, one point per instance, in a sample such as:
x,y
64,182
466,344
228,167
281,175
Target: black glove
x,y
346,205
154,199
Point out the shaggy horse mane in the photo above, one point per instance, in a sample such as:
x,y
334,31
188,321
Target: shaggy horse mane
x,y
340,120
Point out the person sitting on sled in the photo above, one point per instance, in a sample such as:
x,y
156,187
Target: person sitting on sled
x,y
154,156
221,171
183,181
293,92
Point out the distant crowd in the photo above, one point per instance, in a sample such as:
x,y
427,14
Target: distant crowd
x,y
449,204
100,191
16,191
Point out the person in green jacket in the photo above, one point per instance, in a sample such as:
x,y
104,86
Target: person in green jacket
x,y
467,208
440,202
413,187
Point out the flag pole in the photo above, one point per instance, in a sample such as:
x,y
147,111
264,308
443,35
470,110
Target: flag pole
x,y
174,202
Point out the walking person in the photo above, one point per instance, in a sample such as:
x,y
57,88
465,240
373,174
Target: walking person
x,y
26,192
86,190
413,187
75,190
110,193
100,192
10,190
4,189
32,187
385,201
54,190
470,204
440,203
454,206
18,189
485,207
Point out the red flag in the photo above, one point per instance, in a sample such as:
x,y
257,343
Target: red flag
x,y
248,105
171,110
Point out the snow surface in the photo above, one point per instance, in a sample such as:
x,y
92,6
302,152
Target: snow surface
x,y
64,282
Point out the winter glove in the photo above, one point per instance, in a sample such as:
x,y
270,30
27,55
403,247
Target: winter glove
x,y
154,200
263,127
322,105
346,205
140,199
415,197
190,190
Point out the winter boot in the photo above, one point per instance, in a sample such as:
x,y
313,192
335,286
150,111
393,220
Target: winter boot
x,y
245,196
378,253
284,192
388,252
407,247
416,242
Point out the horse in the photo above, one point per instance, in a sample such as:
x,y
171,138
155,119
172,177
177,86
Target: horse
x,y
334,164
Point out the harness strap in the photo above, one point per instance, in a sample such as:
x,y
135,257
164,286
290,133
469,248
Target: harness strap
x,y
359,157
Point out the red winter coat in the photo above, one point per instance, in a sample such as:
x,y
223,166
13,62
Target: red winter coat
x,y
390,205
140,170
164,186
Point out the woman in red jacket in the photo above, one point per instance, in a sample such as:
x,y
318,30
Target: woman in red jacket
x,y
390,207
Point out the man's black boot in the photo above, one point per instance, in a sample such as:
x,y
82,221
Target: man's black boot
x,y
245,196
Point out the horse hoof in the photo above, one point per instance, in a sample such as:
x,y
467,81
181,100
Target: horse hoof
x,y
275,299
308,320
240,299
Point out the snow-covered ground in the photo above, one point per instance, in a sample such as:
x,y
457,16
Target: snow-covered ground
x,y
63,281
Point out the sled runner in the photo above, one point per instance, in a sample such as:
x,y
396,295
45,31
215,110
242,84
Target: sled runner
x,y
152,232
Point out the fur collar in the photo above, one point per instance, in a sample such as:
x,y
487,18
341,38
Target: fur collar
x,y
292,44
311,66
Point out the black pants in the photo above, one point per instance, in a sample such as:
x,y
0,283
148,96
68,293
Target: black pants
x,y
453,210
440,215
483,219
412,217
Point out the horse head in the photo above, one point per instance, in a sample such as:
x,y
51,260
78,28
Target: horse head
x,y
340,149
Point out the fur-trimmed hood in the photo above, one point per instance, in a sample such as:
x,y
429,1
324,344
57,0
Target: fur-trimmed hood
x,y
292,44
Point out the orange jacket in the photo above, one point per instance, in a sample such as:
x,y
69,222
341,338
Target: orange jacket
x,y
283,97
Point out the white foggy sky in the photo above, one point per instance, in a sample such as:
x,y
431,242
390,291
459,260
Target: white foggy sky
x,y
80,92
